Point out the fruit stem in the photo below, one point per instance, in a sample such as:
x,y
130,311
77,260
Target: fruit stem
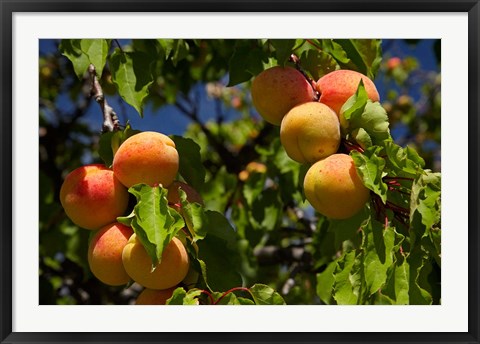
x,y
206,292
296,61
231,291
352,146
398,178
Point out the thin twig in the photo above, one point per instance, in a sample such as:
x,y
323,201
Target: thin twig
x,y
110,119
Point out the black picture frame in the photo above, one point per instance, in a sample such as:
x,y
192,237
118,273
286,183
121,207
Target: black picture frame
x,y
9,7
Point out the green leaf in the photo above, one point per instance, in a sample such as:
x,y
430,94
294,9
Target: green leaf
x,y
404,161
378,243
179,49
347,275
220,263
71,49
318,63
264,295
370,167
355,105
155,223
333,48
96,51
374,121
283,49
253,187
246,61
267,210
131,73
195,217
425,198
190,165
181,297
167,46
420,267
365,54
325,281
397,287
347,229
110,141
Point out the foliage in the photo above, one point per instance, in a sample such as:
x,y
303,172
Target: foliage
x,y
255,228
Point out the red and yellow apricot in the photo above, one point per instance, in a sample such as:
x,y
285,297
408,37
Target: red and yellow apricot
x,y
148,157
333,187
154,296
169,272
310,132
93,197
105,254
336,87
278,89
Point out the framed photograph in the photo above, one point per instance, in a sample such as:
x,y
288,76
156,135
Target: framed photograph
x,y
290,163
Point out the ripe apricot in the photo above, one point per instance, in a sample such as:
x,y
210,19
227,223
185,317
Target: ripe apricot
x,y
154,296
336,87
105,254
93,197
310,132
333,187
148,157
278,89
169,272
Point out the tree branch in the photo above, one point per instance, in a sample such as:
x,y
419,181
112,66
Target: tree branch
x,y
110,119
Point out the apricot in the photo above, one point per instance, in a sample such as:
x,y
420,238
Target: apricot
x,y
93,197
333,187
173,195
310,132
169,272
105,254
278,89
148,157
154,296
336,87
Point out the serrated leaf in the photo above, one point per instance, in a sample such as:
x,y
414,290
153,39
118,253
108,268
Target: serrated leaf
x,y
131,74
335,49
378,246
347,277
397,287
374,121
264,295
181,297
425,198
71,49
267,210
325,281
179,51
245,62
220,263
348,229
195,217
167,46
190,165
283,49
370,168
318,63
253,187
355,105
404,161
155,223
96,51
419,269
365,54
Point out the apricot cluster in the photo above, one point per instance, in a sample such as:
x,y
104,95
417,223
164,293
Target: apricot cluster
x,y
93,196
311,129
